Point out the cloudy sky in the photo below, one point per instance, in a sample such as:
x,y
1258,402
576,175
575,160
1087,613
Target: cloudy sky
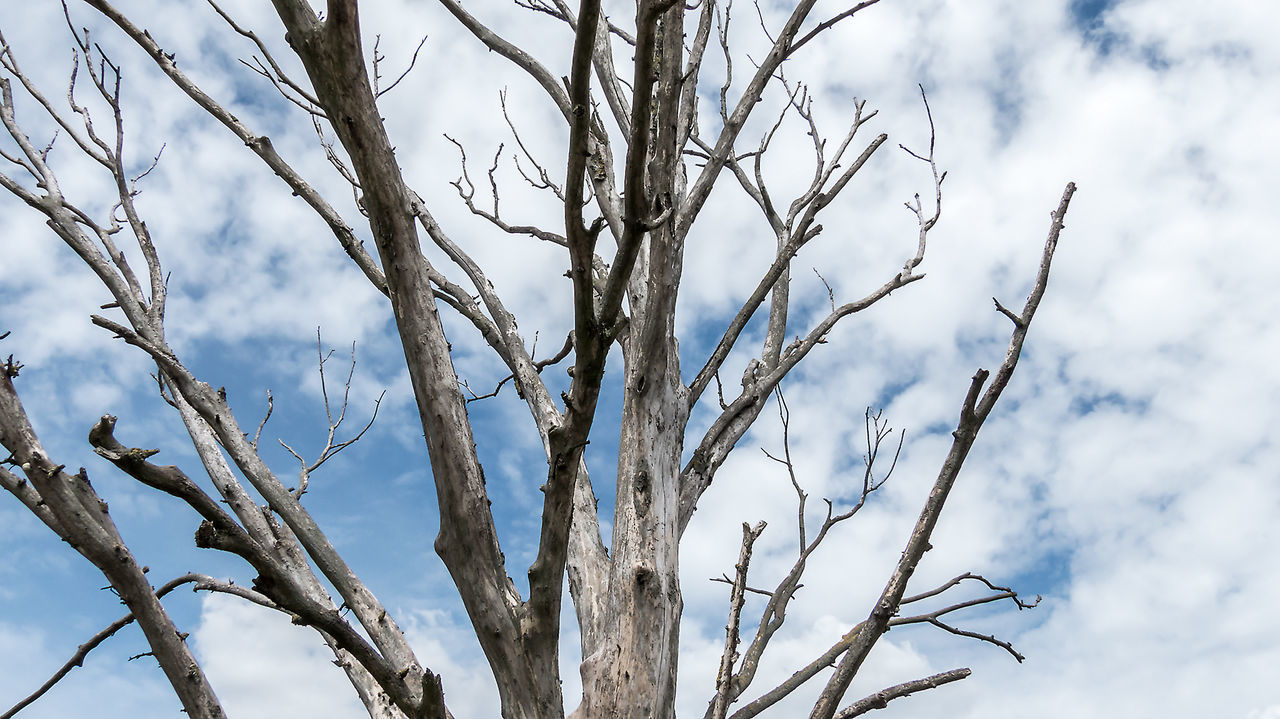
x,y
1128,476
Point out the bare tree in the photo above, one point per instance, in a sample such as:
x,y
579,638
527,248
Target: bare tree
x,y
639,166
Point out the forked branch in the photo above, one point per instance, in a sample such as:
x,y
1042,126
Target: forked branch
x,y
467,191
998,594
331,447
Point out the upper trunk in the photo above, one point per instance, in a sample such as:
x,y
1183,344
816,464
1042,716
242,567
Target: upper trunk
x,y
632,666
630,670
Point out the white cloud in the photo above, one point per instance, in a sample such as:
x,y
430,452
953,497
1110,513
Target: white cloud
x,y
263,666
451,650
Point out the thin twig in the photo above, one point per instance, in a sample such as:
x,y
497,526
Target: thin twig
x,y
403,75
331,447
784,414
276,75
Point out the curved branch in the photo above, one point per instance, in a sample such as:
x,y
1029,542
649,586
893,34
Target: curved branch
x,y
933,617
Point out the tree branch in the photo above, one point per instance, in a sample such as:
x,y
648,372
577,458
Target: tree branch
x,y
881,699
330,448
518,57
724,679
774,614
277,76
933,617
798,678
734,122
776,270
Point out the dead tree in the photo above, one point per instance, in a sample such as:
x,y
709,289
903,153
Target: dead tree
x,y
637,172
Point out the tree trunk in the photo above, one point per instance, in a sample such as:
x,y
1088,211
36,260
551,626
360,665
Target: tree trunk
x,y
632,671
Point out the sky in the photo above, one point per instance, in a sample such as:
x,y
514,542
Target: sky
x,y
1128,475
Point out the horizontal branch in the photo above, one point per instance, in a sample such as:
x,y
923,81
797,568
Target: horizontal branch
x,y
1000,593
827,24
956,580
881,699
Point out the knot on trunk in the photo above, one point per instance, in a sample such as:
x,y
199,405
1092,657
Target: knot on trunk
x,y
642,490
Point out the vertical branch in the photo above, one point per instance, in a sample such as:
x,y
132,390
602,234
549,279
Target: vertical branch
x,y
784,414
638,214
926,223
688,120
565,443
581,239
607,74
724,679
332,55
